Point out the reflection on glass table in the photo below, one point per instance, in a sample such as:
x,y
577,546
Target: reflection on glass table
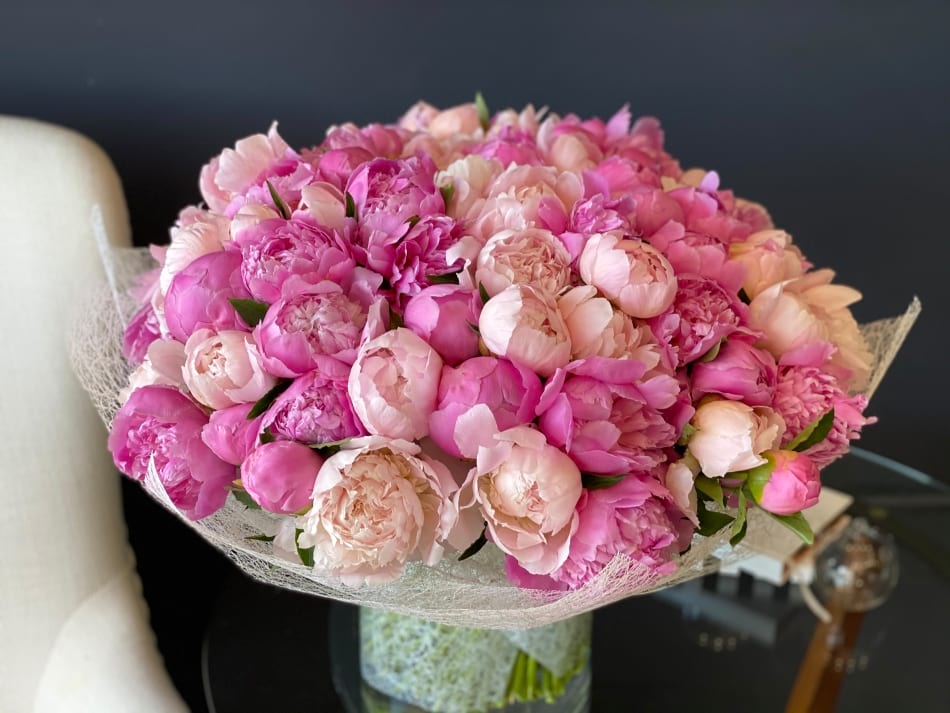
x,y
721,643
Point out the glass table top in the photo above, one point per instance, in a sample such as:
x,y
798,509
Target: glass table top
x,y
720,643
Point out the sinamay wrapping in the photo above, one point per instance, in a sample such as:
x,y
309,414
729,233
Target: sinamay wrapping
x,y
472,593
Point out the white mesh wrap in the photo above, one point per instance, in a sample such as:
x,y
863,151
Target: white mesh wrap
x,y
473,593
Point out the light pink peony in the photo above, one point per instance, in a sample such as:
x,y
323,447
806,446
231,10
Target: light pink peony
x,y
161,423
162,366
471,179
631,273
632,518
527,257
237,169
326,205
527,490
277,251
811,311
524,197
608,417
316,408
313,321
523,324
224,369
444,315
597,328
231,435
394,383
198,296
740,372
458,120
769,257
378,504
702,314
805,393
418,116
199,234
510,392
793,485
279,476
731,437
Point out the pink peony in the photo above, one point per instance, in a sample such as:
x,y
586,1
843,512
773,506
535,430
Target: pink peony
x,y
275,251
527,257
408,257
597,328
739,372
387,193
198,296
730,437
509,146
608,417
160,423
793,485
702,314
314,321
805,393
527,490
394,383
443,315
279,476
809,312
631,273
231,435
378,504
316,408
511,393
523,324
631,518
224,369
140,332
698,255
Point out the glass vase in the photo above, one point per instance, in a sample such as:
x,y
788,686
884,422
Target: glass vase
x,y
409,665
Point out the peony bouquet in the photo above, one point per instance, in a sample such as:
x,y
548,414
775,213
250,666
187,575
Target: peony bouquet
x,y
359,363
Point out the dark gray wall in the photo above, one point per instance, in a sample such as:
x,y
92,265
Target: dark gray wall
x,y
836,116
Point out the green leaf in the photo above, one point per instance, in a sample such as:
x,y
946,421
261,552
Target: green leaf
x,y
304,553
714,352
395,319
814,433
264,402
267,436
757,477
597,482
474,328
483,293
744,296
328,449
797,524
710,487
243,497
446,278
350,206
475,546
260,538
278,201
447,192
739,524
710,521
413,219
484,116
688,431
251,311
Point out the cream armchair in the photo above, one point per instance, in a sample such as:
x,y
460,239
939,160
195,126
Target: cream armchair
x,y
74,632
